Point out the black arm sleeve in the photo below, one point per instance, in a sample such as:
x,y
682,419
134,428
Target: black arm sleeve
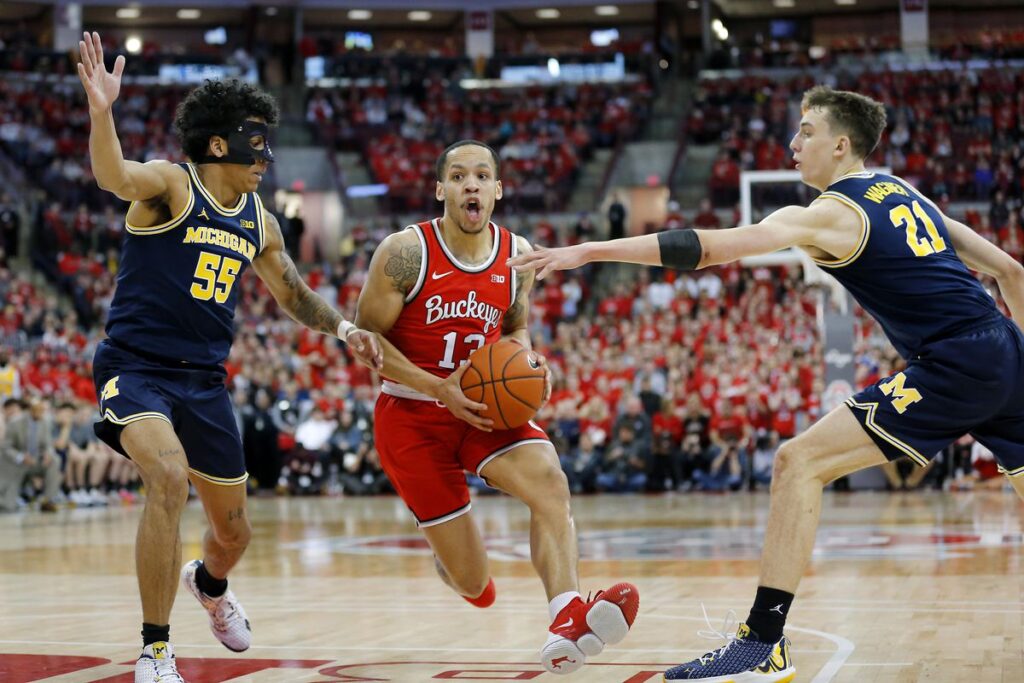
x,y
680,249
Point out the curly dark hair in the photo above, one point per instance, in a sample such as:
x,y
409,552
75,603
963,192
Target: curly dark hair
x,y
214,108
856,115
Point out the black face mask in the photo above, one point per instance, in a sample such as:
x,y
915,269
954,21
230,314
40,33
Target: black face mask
x,y
239,149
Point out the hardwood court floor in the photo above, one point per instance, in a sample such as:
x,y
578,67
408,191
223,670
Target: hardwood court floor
x,y
903,588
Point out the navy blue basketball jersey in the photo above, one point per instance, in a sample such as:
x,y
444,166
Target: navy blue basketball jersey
x,y
904,271
178,282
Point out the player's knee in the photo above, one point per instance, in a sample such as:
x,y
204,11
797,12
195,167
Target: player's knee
x,y
167,484
787,462
794,463
235,537
549,488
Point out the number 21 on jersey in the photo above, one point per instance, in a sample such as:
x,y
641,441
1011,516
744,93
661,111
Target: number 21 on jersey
x,y
907,217
450,339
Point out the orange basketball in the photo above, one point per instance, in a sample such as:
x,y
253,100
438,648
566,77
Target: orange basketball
x,y
506,378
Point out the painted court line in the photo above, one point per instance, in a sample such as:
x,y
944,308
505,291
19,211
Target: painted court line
x,y
844,648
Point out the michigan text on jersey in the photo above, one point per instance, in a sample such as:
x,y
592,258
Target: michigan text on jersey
x,y
220,238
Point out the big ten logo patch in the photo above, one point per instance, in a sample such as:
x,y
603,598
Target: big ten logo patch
x,y
247,224
110,389
500,279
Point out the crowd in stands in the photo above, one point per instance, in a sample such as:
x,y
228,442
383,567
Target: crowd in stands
x,y
958,135
331,44
404,119
22,52
879,49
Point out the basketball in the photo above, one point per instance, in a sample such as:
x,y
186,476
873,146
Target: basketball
x,y
508,380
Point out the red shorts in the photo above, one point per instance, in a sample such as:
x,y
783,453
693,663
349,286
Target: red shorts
x,y
425,451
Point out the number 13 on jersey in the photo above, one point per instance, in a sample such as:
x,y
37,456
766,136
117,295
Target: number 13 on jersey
x,y
450,339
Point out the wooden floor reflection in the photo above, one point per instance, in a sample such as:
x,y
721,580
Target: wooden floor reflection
x,y
903,588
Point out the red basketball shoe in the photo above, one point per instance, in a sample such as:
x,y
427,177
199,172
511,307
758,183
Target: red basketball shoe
x,y
584,628
485,599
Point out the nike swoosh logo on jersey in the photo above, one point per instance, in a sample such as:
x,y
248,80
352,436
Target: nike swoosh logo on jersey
x,y
437,276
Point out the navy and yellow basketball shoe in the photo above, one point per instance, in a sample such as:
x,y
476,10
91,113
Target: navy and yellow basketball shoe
x,y
741,660
156,664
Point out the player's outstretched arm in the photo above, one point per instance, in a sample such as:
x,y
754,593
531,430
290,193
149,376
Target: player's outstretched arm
x,y
686,249
276,268
643,250
394,270
515,324
983,256
129,180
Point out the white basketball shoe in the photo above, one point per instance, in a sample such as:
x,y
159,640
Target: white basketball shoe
x,y
156,665
227,618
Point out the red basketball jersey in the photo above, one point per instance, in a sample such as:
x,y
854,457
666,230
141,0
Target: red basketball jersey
x,y
454,309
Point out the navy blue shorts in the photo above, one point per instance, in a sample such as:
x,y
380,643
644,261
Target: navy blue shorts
x,y
193,400
973,384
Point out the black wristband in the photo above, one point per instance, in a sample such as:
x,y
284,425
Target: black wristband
x,y
680,249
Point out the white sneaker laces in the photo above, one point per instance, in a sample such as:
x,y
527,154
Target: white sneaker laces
x,y
727,633
223,613
167,670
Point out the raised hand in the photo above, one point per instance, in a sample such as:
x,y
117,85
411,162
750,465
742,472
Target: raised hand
x,y
545,261
101,86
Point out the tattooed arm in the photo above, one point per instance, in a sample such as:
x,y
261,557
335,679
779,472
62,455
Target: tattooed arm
x,y
305,306
394,270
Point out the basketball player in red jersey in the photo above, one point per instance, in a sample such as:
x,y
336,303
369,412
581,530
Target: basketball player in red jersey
x,y
437,291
